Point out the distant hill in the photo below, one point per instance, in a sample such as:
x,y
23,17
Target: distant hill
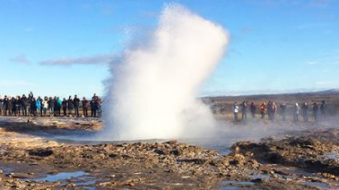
x,y
330,91
298,95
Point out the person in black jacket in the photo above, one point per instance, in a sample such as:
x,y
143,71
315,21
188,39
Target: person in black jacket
x,y
14,103
32,106
93,108
76,103
64,106
70,105
24,104
18,105
51,106
6,106
253,109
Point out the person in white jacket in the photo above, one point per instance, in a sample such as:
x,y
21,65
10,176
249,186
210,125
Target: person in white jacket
x,y
235,111
45,105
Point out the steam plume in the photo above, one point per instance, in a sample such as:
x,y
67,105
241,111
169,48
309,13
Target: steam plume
x,y
152,93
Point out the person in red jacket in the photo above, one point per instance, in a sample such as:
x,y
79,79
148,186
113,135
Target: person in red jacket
x,y
263,110
84,103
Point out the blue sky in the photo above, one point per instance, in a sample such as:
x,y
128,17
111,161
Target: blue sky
x,y
59,47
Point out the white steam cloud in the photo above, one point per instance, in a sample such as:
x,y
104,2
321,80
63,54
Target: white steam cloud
x,y
153,92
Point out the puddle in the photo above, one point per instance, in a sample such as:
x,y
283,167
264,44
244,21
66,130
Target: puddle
x,y
86,183
234,185
317,184
332,155
7,169
61,176
229,188
261,176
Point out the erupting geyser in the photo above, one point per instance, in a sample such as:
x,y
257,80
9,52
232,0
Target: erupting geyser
x,y
153,91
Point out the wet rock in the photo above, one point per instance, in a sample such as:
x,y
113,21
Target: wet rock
x,y
160,152
304,142
19,175
175,152
257,180
273,157
193,160
40,152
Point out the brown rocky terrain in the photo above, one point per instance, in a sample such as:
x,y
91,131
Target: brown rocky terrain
x,y
31,160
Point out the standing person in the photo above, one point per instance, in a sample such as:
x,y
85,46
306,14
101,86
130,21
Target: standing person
x,y
283,111
235,111
33,107
263,110
40,100
18,105
304,109
95,96
38,105
24,104
84,103
10,106
57,106
296,112
94,106
70,105
269,110
93,110
98,106
45,105
14,106
315,110
64,106
323,110
51,106
244,110
253,109
274,110
76,103
6,106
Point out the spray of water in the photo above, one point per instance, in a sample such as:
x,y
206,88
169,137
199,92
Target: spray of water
x,y
153,92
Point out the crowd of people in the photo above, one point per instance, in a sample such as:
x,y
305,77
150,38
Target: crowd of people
x,y
270,109
49,106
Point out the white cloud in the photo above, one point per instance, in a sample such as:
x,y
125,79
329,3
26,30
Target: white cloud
x,y
85,60
14,82
20,59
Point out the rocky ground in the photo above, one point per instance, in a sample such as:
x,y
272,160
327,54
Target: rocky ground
x,y
29,160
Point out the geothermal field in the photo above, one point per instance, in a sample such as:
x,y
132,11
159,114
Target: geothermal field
x,y
70,153
156,132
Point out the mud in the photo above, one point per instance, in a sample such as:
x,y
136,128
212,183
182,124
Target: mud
x,y
31,159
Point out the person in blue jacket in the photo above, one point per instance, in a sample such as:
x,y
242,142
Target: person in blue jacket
x,y
38,105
